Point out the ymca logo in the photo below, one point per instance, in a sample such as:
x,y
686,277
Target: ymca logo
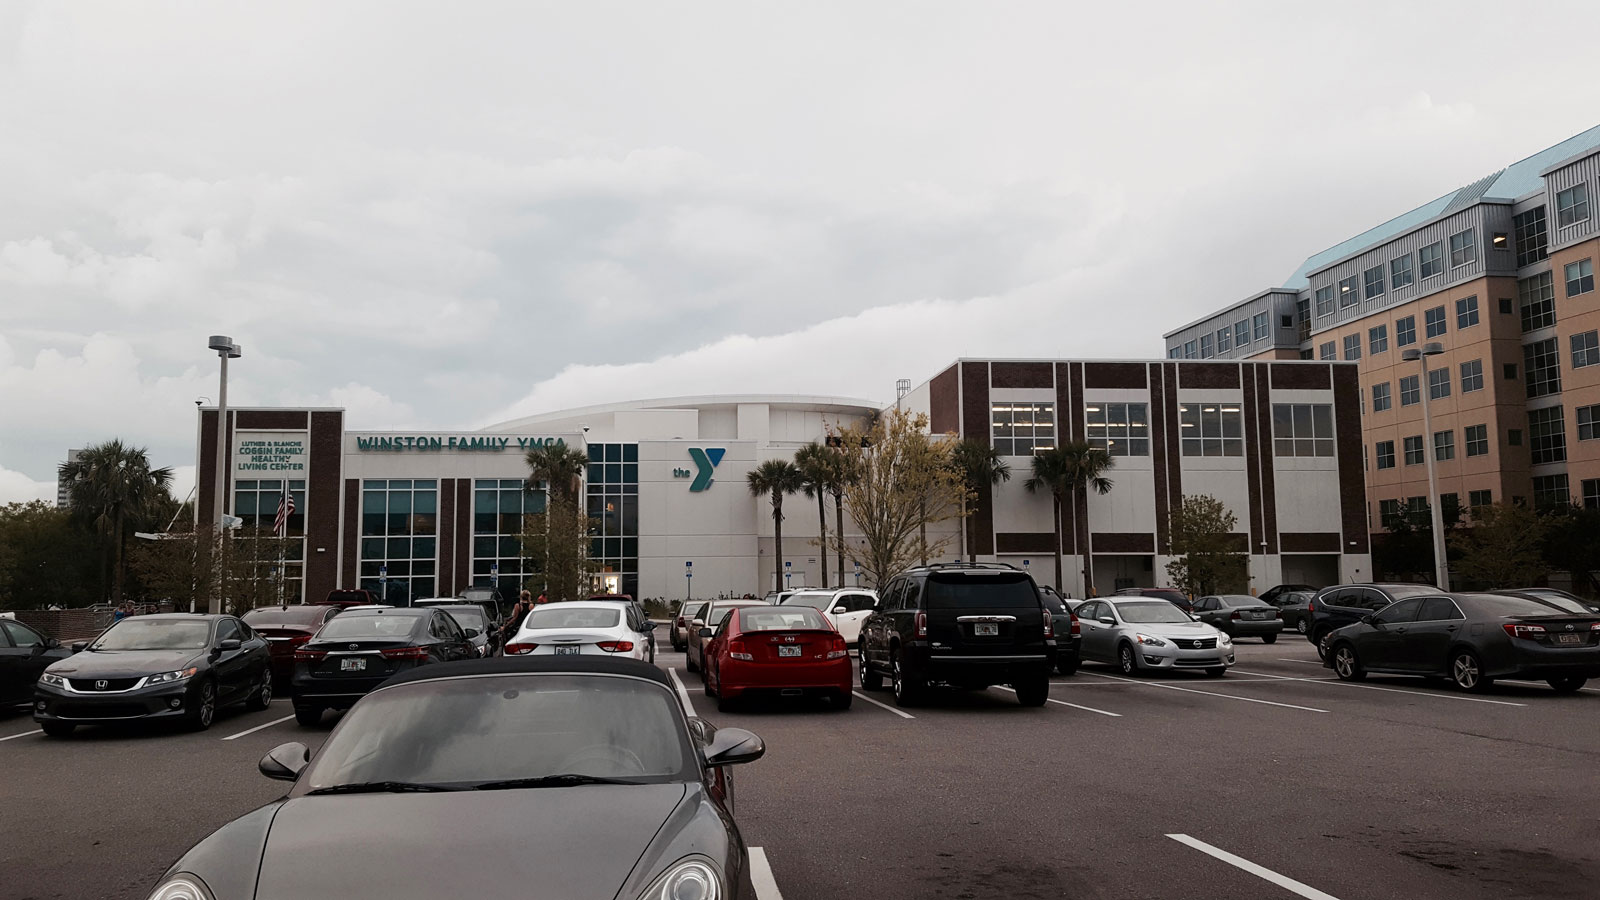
x,y
705,462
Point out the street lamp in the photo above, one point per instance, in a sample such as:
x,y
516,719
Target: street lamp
x,y
1441,562
226,350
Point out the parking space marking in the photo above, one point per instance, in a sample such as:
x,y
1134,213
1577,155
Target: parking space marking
x,y
899,712
761,876
258,728
1303,662
1545,684
12,737
1114,684
1262,872
1374,687
683,692
1065,703
1173,687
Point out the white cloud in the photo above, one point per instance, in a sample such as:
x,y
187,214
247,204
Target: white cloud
x,y
16,487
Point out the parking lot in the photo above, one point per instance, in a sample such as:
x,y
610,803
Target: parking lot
x,y
1275,781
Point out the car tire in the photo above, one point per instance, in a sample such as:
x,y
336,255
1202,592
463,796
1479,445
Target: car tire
x,y
871,679
688,662
1569,685
725,704
842,701
1269,639
1321,644
1128,660
1216,671
1346,664
1033,693
204,710
309,716
1300,626
705,684
907,691
1466,672
262,698
58,729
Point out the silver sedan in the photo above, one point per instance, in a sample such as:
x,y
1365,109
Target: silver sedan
x,y
1142,633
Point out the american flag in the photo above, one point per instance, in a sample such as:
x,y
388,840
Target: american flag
x,y
280,525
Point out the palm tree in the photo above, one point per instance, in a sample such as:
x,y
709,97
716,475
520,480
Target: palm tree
x,y
816,473
114,488
558,466
776,477
980,465
1064,471
843,476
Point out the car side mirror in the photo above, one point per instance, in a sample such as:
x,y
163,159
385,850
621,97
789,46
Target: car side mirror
x,y
731,746
1369,619
472,632
1106,620
51,643
230,644
837,610
285,761
705,632
80,646
697,623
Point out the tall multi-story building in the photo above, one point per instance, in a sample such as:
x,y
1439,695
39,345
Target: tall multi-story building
x,y
63,486
1501,275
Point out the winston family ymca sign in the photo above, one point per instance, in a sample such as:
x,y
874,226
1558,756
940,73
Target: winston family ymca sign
x,y
439,443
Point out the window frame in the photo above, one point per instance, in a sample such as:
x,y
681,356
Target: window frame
x,y
1373,282
1288,423
1378,338
1382,399
1475,439
1401,275
1435,325
1572,206
1118,438
1471,376
1584,281
1466,312
1429,266
1013,441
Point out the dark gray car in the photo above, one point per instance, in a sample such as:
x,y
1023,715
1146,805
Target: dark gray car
x,y
521,776
1294,608
1239,615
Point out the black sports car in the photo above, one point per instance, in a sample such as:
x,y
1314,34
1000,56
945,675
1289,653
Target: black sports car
x,y
516,776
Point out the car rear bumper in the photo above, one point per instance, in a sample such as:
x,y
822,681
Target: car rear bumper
x,y
1539,662
940,665
736,678
51,704
336,692
1242,628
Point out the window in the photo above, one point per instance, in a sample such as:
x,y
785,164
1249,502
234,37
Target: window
x,y
1572,205
1302,309
1349,291
500,510
1378,338
1211,429
1476,438
1330,350
1175,353
1263,324
256,502
1120,429
1434,322
1551,491
1438,384
1514,437
1023,429
1381,400
1588,423
1533,239
1388,512
1385,454
1224,339
1467,312
1325,301
1547,435
1591,493
1542,362
1472,376
1413,450
1463,248
1405,331
1450,510
399,538
1241,334
1444,445
1372,279
1409,393
1479,499
1352,346
1586,349
1431,259
1510,370
1302,429
613,493
1400,271
1190,350
1507,306
1580,277
1537,297
1206,349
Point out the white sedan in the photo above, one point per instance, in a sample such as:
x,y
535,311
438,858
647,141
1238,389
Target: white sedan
x,y
845,608
582,628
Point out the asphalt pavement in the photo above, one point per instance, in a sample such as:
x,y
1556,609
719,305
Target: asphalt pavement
x,y
1276,781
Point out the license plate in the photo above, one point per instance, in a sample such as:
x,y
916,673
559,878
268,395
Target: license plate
x,y
986,630
1569,638
568,651
352,665
788,651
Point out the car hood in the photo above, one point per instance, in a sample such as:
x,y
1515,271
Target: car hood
x,y
125,663
577,842
1175,629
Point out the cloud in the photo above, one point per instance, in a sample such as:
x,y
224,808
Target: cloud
x,y
16,487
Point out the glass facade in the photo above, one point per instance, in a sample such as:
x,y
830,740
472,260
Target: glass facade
x,y
613,494
399,538
1021,429
499,508
256,502
1120,429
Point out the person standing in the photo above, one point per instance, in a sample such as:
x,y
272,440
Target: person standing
x,y
519,611
543,597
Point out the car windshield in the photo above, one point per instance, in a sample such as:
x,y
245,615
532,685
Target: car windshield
x,y
558,616
1150,612
466,731
1174,596
1239,600
358,626
1002,591
285,615
714,614
813,600
782,619
1055,603
156,634
467,616
692,611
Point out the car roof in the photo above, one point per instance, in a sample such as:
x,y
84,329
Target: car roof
x,y
519,665
178,617
578,604
378,609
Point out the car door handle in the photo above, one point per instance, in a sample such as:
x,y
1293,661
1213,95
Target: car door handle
x,y
1451,628
1401,630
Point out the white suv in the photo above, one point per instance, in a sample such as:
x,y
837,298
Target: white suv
x,y
846,608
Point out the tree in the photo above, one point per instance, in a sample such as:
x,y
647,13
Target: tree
x,y
1065,471
816,474
47,558
188,568
556,543
1207,561
843,476
775,478
980,465
901,479
1406,549
113,487
1572,544
558,466
1501,549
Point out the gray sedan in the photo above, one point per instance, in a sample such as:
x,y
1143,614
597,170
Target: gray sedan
x,y
1142,633
1240,615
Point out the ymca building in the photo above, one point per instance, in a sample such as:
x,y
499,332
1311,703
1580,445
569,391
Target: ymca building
x,y
421,514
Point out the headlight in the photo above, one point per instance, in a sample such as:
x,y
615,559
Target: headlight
x,y
688,879
1222,638
1149,641
164,677
182,887
56,680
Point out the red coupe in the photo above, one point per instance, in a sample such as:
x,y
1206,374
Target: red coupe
x,y
786,651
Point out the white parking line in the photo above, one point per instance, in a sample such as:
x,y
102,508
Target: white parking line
x,y
1546,684
1153,681
12,737
1173,687
1065,703
1283,881
761,876
683,692
258,728
899,712
1374,687
1303,662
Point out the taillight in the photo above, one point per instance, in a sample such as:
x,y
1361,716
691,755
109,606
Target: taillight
x,y
1049,625
1234,615
922,624
303,653
615,646
1077,629
519,649
737,650
837,648
1311,606
405,653
681,622
1526,632
299,638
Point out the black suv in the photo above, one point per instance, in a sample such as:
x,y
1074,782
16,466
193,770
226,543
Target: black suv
x,y
968,625
1345,604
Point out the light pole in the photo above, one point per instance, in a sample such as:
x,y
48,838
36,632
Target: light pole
x,y
226,350
1441,562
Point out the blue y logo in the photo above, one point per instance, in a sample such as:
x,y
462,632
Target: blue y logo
x,y
706,462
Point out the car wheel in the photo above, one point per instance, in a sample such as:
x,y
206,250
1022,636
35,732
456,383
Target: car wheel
x,y
1466,670
1567,685
1300,626
842,701
688,663
871,679
205,707
1033,693
1346,665
309,716
58,729
725,704
906,691
1127,660
705,684
262,698
1217,672
1269,639
1322,645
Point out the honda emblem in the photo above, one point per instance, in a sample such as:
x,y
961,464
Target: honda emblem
x,y
100,685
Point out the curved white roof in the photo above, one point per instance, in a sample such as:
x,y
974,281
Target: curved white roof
x,y
849,406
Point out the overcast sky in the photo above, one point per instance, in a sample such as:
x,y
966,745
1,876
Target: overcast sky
x,y
445,215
